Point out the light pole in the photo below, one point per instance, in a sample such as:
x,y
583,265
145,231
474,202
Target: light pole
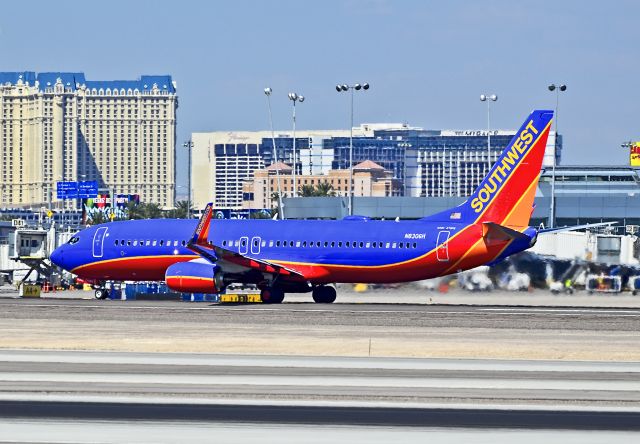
x,y
294,97
488,99
552,209
267,92
189,145
352,88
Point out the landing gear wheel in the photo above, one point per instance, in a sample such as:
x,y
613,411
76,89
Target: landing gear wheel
x,y
101,294
324,294
271,295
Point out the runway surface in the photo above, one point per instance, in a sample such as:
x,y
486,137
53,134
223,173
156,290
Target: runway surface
x,y
404,330
96,396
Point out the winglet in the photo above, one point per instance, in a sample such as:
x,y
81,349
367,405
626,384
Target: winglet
x,y
201,235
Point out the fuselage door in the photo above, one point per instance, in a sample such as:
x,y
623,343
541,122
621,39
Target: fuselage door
x,y
98,241
244,245
255,245
443,246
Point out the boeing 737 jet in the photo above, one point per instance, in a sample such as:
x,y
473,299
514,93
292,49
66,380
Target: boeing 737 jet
x,y
281,256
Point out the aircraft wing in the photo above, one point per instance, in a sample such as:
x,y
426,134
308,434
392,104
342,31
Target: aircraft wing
x,y
573,227
200,244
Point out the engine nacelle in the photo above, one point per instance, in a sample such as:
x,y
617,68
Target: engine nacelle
x,y
197,276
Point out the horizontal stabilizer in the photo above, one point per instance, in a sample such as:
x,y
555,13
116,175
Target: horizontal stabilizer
x,y
498,234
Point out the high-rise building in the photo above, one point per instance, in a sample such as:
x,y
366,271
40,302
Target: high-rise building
x,y
61,127
223,160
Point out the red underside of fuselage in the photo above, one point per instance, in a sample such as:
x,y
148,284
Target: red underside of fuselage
x,y
147,268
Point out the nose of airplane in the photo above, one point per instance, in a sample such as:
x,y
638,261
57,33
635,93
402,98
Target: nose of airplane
x,y
57,257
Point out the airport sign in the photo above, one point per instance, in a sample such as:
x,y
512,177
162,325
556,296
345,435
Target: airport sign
x,y
66,190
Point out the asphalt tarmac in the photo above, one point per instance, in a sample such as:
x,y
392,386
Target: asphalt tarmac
x,y
402,330
347,372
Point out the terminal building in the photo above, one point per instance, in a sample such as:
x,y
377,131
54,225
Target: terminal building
x,y
59,126
427,163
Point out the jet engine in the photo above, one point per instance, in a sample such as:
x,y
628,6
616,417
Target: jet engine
x,y
196,276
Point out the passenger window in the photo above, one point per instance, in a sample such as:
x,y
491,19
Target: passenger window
x,y
393,245
298,244
263,244
368,244
326,244
400,245
175,243
415,245
154,243
339,244
183,243
361,244
291,243
135,242
333,244
304,244
128,243
149,242
318,244
161,242
116,242
141,242
277,243
354,245
271,243
387,245
224,243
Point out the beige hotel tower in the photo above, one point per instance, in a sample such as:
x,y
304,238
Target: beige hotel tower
x,y
61,127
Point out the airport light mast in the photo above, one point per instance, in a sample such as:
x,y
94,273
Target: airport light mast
x,y
552,209
189,146
267,92
488,98
295,97
352,88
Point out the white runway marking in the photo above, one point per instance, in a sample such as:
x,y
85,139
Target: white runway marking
x,y
560,312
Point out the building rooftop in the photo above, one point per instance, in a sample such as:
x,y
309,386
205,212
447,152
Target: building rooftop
x,y
368,165
281,166
75,80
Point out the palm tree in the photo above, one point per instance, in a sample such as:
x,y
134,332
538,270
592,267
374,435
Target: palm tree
x,y
183,209
325,189
307,191
96,218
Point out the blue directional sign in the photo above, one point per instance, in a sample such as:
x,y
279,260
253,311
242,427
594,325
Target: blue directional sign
x,y
67,190
87,189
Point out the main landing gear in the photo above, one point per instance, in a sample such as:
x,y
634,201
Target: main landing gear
x,y
324,294
272,295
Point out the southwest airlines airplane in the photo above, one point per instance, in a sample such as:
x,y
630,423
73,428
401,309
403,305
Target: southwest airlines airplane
x,y
296,256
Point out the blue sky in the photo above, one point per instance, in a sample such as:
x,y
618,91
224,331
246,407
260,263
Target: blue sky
x,y
427,62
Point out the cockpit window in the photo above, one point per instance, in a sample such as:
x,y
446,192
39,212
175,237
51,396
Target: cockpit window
x,y
74,240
